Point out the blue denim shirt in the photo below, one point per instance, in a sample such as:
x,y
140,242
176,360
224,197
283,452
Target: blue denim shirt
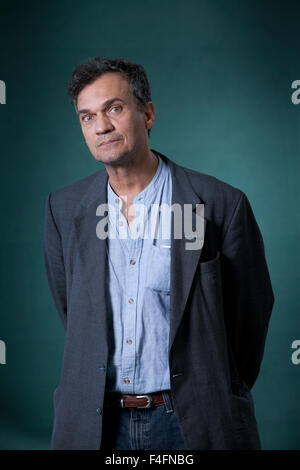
x,y
138,293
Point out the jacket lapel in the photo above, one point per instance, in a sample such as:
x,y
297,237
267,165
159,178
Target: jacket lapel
x,y
92,250
183,261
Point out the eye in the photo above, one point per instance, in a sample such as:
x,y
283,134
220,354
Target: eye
x,y
115,109
86,118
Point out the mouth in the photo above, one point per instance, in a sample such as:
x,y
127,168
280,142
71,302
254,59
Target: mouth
x,y
109,142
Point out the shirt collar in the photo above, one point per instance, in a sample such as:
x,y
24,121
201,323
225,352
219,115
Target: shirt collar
x,y
143,196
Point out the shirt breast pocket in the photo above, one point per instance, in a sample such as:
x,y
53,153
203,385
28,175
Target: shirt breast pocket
x,y
159,267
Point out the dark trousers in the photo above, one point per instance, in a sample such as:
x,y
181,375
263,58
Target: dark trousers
x,y
155,428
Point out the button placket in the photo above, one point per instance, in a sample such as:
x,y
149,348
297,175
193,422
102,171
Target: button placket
x,y
132,280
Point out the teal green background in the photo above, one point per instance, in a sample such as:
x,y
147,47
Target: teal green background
x,y
221,74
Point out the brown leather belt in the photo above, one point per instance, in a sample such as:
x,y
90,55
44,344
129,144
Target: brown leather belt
x,y
135,401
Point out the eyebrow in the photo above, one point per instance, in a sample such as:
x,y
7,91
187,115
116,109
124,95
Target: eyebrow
x,y
105,105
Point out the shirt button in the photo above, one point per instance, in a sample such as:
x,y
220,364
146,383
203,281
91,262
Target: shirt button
x,y
131,301
127,381
132,261
99,411
129,341
121,223
117,201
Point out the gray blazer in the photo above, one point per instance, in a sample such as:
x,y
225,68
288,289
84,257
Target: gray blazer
x,y
221,300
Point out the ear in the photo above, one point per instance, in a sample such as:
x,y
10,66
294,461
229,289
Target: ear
x,y
149,114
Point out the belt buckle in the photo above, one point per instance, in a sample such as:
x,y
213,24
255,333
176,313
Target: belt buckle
x,y
149,398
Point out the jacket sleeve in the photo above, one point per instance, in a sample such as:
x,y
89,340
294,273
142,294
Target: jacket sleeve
x,y
54,262
247,292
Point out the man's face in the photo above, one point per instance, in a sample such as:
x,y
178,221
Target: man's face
x,y
114,129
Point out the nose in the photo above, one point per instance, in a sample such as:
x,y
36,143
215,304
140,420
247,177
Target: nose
x,y
103,124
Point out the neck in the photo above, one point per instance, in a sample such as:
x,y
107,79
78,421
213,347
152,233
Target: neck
x,y
131,179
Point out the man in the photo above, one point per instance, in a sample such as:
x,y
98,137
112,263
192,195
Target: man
x,y
164,340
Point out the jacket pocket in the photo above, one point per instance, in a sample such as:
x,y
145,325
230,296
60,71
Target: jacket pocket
x,y
210,266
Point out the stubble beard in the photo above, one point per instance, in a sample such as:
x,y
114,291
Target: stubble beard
x,y
114,158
